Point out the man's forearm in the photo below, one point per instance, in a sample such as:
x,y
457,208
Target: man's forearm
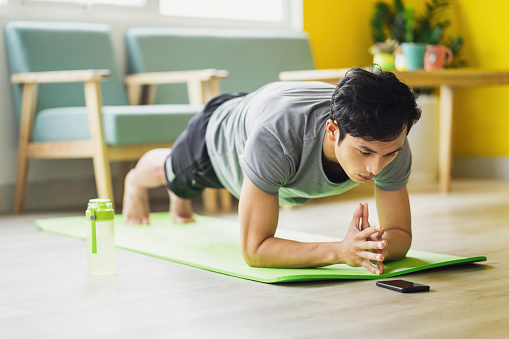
x,y
394,214
284,253
398,243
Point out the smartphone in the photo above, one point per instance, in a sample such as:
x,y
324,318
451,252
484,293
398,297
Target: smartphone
x,y
403,286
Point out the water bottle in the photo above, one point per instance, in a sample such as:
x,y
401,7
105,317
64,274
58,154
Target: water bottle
x,y
100,237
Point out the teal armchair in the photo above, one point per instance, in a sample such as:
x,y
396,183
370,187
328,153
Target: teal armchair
x,y
71,100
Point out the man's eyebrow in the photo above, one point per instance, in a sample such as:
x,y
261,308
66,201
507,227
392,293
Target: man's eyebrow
x,y
367,149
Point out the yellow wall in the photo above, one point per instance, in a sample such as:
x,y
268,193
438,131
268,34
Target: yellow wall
x,y
481,124
340,37
339,32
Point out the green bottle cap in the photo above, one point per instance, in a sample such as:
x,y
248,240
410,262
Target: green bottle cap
x,y
102,209
98,210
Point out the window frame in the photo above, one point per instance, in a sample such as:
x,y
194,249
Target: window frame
x,y
148,14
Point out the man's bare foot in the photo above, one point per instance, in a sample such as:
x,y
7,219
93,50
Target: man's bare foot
x,y
181,209
136,208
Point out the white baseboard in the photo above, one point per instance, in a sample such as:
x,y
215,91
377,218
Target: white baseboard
x,y
481,167
466,168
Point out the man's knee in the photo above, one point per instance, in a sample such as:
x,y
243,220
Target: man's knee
x,y
152,164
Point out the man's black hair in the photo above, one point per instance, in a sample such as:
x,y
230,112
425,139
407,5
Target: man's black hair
x,y
373,105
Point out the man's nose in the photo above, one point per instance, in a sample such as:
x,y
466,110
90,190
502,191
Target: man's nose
x,y
375,165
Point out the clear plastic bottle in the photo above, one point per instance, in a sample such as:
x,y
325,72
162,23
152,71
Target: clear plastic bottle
x,y
100,237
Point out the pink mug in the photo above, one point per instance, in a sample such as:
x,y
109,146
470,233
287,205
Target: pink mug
x,y
437,57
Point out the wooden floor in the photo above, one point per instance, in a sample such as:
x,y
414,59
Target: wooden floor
x,y
45,291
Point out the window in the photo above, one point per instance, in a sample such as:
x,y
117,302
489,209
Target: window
x,y
251,10
138,3
252,14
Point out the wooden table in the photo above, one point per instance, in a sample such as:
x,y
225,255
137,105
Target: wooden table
x,y
446,80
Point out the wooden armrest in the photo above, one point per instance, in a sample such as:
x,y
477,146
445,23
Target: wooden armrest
x,y
154,78
60,76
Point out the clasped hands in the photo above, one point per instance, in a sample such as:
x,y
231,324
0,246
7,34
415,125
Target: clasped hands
x,y
363,244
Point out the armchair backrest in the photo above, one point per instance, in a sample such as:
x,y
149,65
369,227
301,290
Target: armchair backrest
x,y
252,57
58,46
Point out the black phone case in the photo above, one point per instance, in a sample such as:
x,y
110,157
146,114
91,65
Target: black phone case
x,y
412,287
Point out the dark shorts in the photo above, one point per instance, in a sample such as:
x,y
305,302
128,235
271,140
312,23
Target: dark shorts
x,y
189,159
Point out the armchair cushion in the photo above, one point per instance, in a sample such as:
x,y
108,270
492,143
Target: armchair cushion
x,y
123,125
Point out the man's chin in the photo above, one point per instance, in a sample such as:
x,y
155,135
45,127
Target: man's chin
x,y
355,178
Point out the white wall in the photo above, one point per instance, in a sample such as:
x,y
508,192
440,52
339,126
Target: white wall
x,y
55,184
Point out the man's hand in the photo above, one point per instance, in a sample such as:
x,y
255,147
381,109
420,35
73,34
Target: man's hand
x,y
376,236
361,241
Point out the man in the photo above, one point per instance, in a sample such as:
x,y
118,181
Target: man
x,y
284,144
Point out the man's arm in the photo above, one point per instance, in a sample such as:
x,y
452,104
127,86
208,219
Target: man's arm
x,y
259,214
394,215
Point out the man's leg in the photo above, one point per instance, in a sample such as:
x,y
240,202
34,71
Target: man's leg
x,y
149,173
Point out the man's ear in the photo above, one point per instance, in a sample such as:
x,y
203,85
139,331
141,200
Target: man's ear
x,y
331,130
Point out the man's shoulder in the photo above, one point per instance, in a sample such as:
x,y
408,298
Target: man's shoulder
x,y
289,86
291,99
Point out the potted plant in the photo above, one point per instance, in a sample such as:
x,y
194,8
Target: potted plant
x,y
412,32
383,53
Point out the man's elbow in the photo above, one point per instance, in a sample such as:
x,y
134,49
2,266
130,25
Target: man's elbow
x,y
399,252
396,256
252,258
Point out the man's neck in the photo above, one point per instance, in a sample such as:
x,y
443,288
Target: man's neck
x,y
330,164
328,150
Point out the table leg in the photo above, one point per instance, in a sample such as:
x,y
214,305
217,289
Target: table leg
x,y
445,138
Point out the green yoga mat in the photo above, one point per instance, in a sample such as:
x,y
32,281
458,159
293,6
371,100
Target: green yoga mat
x,y
213,244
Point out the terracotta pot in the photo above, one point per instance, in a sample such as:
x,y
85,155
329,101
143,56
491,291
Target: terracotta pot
x,y
437,57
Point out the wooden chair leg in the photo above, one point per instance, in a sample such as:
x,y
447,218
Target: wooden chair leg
x,y
226,200
28,103
124,168
21,182
103,180
209,197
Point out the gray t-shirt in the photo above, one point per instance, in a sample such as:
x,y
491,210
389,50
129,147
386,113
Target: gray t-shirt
x,y
275,137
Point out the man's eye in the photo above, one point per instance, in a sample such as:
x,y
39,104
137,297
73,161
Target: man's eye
x,y
365,153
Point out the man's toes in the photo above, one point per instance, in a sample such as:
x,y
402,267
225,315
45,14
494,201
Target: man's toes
x,y
136,220
183,220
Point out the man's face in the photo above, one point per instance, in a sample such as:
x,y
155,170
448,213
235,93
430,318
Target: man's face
x,y
362,160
